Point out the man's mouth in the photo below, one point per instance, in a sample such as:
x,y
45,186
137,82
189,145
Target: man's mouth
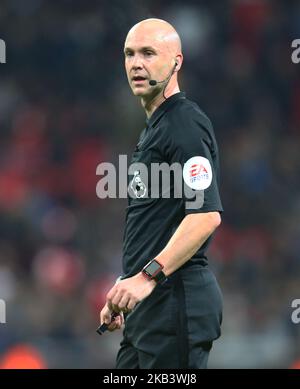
x,y
138,78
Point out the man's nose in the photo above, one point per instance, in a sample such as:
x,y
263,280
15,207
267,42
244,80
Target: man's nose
x,y
137,62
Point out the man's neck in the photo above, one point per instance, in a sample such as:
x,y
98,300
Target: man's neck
x,y
152,105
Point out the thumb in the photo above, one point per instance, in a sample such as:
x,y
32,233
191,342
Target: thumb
x,y
106,318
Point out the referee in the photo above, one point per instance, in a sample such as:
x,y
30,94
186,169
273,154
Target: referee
x,y
168,297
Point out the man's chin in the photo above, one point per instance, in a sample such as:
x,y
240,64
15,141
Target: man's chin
x,y
140,92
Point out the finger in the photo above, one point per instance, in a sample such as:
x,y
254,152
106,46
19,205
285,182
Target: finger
x,y
119,321
116,299
110,296
113,307
116,309
112,327
122,323
105,317
110,306
131,304
116,327
123,303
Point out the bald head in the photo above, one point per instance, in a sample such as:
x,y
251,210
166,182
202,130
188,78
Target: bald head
x,y
159,32
153,52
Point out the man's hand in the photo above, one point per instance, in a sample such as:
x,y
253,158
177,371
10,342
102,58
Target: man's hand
x,y
105,317
127,293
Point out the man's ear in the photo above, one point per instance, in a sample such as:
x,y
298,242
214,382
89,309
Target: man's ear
x,y
177,63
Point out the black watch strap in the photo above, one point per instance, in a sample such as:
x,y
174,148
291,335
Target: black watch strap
x,y
160,277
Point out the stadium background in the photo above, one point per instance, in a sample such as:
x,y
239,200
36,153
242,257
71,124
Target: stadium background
x,y
65,106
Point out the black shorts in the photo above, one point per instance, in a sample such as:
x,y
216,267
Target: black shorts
x,y
176,325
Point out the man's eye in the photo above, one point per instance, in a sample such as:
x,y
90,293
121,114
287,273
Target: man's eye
x,y
149,53
128,54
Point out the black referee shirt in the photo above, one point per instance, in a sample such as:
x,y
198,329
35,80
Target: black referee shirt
x,y
177,132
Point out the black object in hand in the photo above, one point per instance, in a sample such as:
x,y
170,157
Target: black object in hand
x,y
104,326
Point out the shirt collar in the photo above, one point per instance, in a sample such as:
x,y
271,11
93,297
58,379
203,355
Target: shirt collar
x,y
160,111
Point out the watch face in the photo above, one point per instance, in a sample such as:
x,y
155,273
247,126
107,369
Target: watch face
x,y
153,267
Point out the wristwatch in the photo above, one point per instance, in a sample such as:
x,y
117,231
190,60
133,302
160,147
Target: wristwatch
x,y
153,271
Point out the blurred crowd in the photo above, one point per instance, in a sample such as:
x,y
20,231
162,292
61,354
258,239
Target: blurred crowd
x,y
65,106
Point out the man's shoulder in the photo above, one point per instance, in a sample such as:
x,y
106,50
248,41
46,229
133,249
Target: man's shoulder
x,y
186,116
